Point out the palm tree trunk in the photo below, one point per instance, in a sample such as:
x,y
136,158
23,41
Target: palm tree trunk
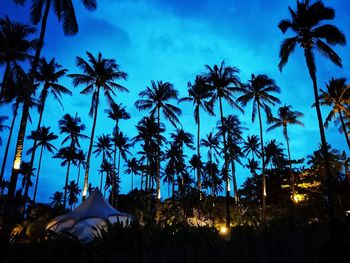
x,y
173,186
228,213
114,166
158,156
118,176
263,163
86,178
132,181
66,185
234,180
199,185
344,129
19,150
7,71
78,177
290,166
103,158
41,39
8,142
329,179
37,175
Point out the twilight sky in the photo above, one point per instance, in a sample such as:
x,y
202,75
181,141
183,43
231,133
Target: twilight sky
x,y
172,41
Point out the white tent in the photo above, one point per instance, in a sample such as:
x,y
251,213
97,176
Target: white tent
x,y
88,218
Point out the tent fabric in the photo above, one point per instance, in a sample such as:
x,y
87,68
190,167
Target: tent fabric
x,y
87,220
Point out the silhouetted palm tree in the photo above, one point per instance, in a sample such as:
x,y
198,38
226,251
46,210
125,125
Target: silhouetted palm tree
x,y
251,145
67,154
157,98
133,168
27,172
274,154
48,74
14,47
3,126
73,192
337,96
81,162
73,127
258,90
99,74
57,199
311,35
64,10
285,117
44,137
104,146
198,94
224,82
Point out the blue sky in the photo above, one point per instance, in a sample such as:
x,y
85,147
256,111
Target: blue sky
x,y
172,41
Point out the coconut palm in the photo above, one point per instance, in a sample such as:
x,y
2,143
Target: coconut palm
x,y
48,74
14,47
73,192
22,79
337,96
57,199
251,146
258,90
274,154
157,98
64,10
99,74
44,137
199,93
104,146
285,117
133,168
224,81
67,154
73,127
27,172
312,35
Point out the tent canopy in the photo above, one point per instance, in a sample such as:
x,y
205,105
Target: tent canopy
x,y
88,218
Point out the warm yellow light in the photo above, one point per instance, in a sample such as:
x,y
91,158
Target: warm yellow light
x,y
223,230
85,191
158,195
17,164
298,198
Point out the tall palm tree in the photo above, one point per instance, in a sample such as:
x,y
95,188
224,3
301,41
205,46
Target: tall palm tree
x,y
81,162
258,90
212,142
133,168
22,79
99,74
310,35
14,47
199,93
251,145
224,81
48,74
73,192
72,126
285,117
274,154
104,146
64,10
157,98
337,96
44,137
67,154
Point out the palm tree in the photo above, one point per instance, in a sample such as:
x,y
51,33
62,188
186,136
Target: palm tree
x,y
73,127
274,154
64,10
81,162
44,137
3,126
258,91
212,141
133,168
67,154
234,138
197,94
27,172
251,145
22,79
73,192
287,117
337,96
14,47
157,97
104,146
48,74
56,199
98,73
310,34
224,82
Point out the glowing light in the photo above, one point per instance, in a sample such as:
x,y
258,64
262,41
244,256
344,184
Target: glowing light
x,y
158,195
223,230
298,198
85,191
17,164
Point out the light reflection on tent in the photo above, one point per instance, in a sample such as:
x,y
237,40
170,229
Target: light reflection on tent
x,y
87,219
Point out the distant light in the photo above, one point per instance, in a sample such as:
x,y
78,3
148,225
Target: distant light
x,y
158,195
17,164
85,191
223,230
